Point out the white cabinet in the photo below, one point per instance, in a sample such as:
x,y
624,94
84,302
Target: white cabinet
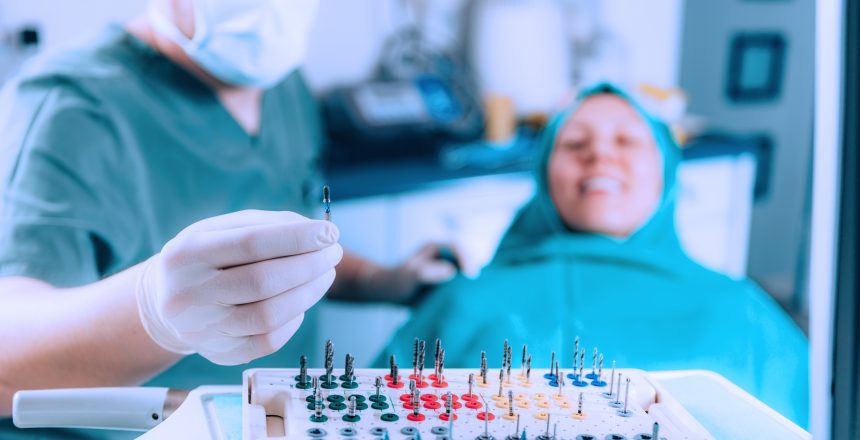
x,y
715,201
472,213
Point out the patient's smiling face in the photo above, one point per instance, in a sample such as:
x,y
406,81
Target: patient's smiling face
x,y
605,173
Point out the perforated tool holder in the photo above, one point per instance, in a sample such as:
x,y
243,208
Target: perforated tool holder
x,y
279,402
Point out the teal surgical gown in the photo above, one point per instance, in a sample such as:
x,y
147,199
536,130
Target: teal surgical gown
x,y
109,151
641,301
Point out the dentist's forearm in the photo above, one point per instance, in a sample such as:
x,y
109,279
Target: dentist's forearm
x,y
87,336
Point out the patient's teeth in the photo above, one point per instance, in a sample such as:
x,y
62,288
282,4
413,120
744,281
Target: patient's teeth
x,y
601,184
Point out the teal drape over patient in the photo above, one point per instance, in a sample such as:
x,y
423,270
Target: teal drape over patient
x,y
642,301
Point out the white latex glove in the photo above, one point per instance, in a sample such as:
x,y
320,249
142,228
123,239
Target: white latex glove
x,y
235,287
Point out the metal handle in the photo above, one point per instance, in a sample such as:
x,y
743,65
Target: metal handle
x,y
131,408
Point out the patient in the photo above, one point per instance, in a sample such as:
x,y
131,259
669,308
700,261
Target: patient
x,y
595,254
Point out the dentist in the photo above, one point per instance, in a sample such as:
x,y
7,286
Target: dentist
x,y
157,193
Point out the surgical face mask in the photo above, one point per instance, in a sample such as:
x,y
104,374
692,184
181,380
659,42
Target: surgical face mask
x,y
252,43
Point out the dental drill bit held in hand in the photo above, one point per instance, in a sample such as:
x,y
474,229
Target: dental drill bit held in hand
x,y
327,202
235,287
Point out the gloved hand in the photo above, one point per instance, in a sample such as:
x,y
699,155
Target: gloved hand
x,y
434,263
235,287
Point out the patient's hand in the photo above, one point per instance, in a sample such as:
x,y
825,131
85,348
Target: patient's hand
x,y
434,263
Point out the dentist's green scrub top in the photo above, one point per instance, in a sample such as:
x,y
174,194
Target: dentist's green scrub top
x,y
111,150
642,301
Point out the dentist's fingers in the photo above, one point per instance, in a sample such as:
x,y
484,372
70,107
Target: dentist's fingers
x,y
268,315
262,280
